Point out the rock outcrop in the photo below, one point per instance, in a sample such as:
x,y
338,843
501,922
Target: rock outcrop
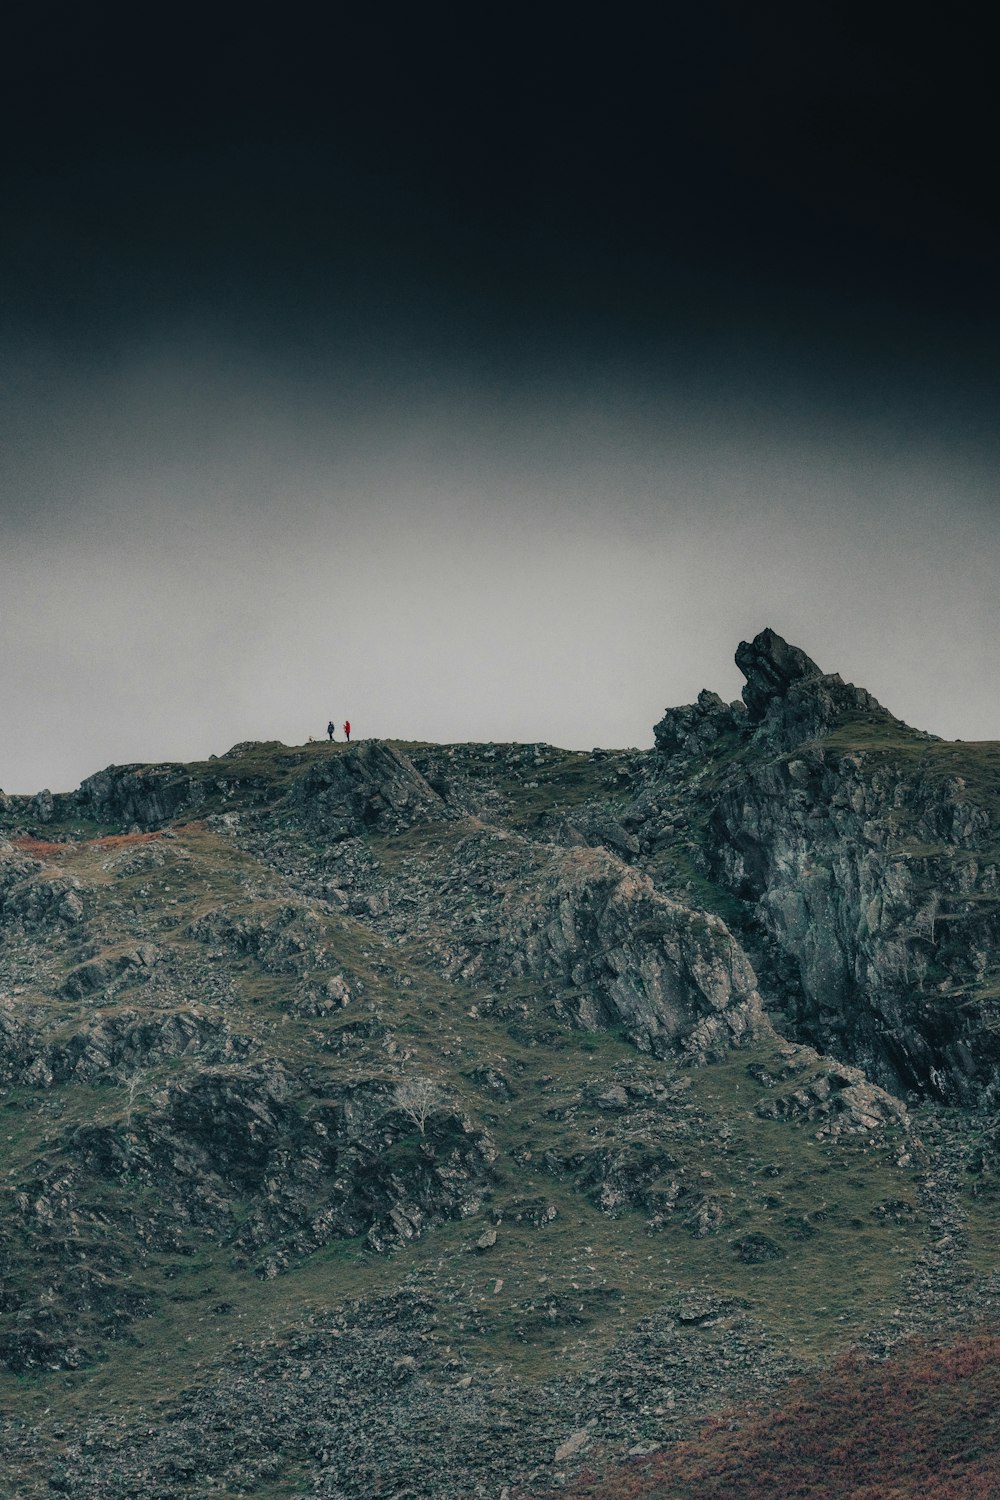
x,y
111,1047
33,896
809,1087
487,1091
770,666
367,786
873,864
789,699
605,948
699,726
143,796
881,883
671,977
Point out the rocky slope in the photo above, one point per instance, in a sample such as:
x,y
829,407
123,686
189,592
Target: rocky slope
x,y
413,1120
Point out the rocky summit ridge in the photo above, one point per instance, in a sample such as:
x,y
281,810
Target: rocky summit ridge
x,y
423,1120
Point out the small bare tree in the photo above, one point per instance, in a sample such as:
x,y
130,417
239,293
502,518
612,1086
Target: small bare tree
x,y
927,918
419,1098
133,1083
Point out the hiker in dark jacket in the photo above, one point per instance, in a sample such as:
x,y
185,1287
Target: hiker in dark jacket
x,y
329,729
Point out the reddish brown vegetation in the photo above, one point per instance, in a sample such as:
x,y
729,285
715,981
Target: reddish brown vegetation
x,y
43,850
923,1426
116,840
39,848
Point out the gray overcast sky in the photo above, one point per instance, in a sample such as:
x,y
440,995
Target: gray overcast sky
x,y
198,551
487,382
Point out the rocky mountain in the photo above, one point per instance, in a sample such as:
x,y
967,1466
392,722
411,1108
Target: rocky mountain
x,y
413,1120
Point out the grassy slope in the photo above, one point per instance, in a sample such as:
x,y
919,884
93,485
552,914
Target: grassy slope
x,y
844,1266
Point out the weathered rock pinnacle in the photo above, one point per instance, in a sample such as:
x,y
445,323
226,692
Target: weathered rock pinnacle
x,y
770,665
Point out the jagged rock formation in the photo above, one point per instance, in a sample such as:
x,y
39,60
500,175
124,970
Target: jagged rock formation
x,y
143,796
840,1098
790,700
31,897
770,666
872,861
895,933
697,727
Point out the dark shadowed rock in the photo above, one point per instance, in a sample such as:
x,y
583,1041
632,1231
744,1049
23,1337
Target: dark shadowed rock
x,y
696,726
43,806
758,1249
891,946
98,973
770,665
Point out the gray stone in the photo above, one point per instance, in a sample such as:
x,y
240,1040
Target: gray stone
x,y
571,1446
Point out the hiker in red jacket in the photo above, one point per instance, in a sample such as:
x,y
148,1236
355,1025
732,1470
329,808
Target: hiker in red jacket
x,y
347,730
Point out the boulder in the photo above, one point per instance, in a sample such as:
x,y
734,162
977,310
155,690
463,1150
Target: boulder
x,y
42,806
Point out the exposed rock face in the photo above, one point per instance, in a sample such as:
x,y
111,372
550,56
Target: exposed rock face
x,y
673,978
98,973
110,1047
371,785
890,931
284,938
349,1167
32,896
503,1000
146,796
43,806
839,1097
874,871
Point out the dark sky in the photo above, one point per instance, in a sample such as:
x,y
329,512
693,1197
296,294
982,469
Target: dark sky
x,y
487,375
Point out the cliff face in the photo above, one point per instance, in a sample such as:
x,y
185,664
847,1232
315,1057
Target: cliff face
x,y
870,854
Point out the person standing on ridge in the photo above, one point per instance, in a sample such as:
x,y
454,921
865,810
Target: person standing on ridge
x,y
347,730
329,729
